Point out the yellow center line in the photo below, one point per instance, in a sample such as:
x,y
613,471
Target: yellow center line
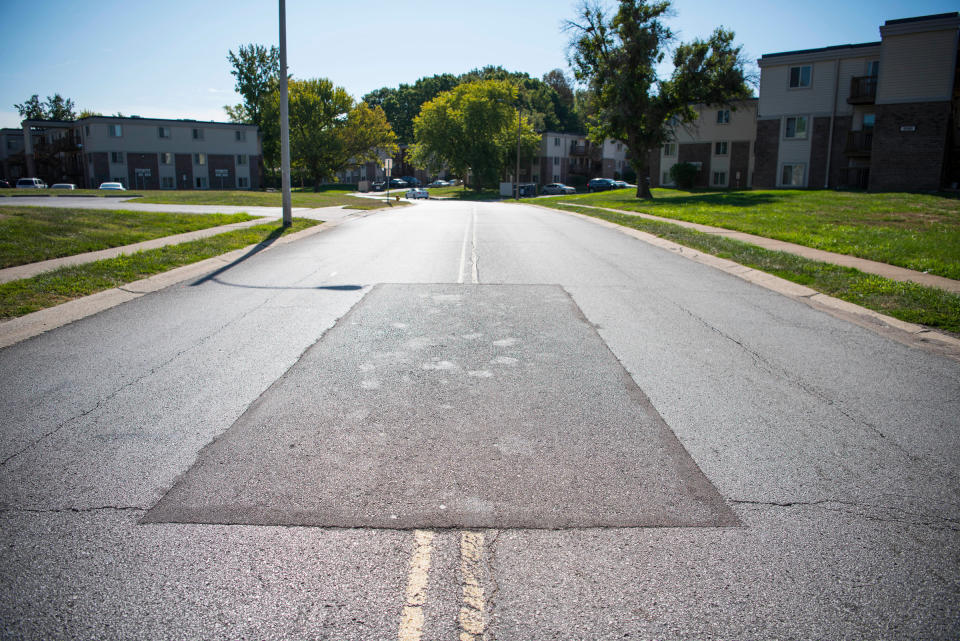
x,y
471,612
411,620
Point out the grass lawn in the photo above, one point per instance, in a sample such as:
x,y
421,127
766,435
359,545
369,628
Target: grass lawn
x,y
917,231
27,295
239,198
32,234
907,301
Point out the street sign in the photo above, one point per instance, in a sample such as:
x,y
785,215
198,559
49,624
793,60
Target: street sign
x,y
388,165
142,172
221,173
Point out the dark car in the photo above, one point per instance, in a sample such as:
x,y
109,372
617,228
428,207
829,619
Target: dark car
x,y
397,182
411,181
4,184
600,184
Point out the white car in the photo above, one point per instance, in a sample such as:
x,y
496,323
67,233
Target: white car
x,y
31,183
113,186
63,186
417,192
439,183
558,189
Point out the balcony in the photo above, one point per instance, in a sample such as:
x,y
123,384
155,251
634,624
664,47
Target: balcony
x,y
859,144
863,90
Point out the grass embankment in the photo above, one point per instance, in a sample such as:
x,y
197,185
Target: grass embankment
x,y
27,295
916,231
237,198
33,234
907,301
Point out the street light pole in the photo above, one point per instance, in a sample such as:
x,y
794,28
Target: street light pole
x,y
284,121
518,153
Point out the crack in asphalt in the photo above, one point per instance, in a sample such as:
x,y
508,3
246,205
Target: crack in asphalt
x,y
74,510
931,520
490,560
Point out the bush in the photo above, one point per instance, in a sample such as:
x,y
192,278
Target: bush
x,y
684,174
577,181
629,174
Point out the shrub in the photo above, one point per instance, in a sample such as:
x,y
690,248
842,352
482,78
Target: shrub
x,y
683,174
577,181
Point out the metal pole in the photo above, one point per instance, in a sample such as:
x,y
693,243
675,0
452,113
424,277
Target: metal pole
x,y
518,154
284,121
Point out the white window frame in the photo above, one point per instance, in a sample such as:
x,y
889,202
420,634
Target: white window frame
x,y
796,119
800,84
168,182
242,159
670,149
163,132
117,154
240,135
243,181
721,148
556,141
794,166
200,158
201,182
719,179
164,155
115,131
197,133
723,116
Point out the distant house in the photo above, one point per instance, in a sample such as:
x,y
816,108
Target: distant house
x,y
719,141
144,153
877,115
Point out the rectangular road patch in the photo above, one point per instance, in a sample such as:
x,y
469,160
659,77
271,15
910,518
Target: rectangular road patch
x,y
469,406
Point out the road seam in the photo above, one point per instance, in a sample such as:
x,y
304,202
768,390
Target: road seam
x,y
909,334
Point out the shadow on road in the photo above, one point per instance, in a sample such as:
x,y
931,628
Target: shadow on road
x,y
259,247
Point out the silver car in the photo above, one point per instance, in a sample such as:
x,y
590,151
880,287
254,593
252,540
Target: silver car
x,y
558,189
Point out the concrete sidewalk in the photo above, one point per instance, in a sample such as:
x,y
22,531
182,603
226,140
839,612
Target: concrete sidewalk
x,y
328,214
892,272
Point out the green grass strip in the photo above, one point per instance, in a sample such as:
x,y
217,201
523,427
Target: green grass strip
x,y
33,234
907,301
27,295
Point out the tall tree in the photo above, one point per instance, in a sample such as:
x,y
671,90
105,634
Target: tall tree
x,y
256,70
328,131
57,107
472,128
617,59
31,109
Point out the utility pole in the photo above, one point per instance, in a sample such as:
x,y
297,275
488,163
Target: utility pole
x,y
518,153
284,121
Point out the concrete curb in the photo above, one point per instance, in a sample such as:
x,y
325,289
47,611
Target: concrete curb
x,y
893,272
19,329
909,334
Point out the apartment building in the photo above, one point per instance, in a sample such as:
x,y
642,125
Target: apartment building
x,y
571,158
719,141
143,153
877,115
11,154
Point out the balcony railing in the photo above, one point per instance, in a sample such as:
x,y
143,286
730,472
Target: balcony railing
x,y
863,90
859,143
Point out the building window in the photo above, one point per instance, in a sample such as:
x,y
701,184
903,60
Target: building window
x,y
197,134
720,178
243,181
619,146
86,129
200,159
792,175
720,148
796,127
666,178
241,159
166,182
201,182
556,161
241,136
723,117
115,131
166,158
873,68
800,77
670,149
556,142
556,178
163,132
116,156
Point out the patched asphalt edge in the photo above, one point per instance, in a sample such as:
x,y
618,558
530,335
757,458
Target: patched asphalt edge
x,y
910,334
19,329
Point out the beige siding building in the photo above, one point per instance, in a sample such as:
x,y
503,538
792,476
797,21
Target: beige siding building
x,y
876,115
719,142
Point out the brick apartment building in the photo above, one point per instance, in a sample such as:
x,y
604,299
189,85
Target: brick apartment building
x,y
878,115
144,153
720,142
571,158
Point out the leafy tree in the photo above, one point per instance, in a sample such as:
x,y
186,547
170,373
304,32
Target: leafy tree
x,y
472,128
55,107
256,70
684,174
88,113
403,104
617,58
328,131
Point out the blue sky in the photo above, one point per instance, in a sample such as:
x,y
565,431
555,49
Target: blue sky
x,y
168,59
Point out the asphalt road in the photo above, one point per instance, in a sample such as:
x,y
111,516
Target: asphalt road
x,y
476,421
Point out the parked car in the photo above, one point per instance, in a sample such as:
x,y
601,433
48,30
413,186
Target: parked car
x,y
600,184
396,182
4,184
113,186
557,188
439,183
620,184
63,186
31,183
411,181
418,192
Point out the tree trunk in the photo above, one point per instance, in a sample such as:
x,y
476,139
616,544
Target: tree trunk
x,y
641,166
